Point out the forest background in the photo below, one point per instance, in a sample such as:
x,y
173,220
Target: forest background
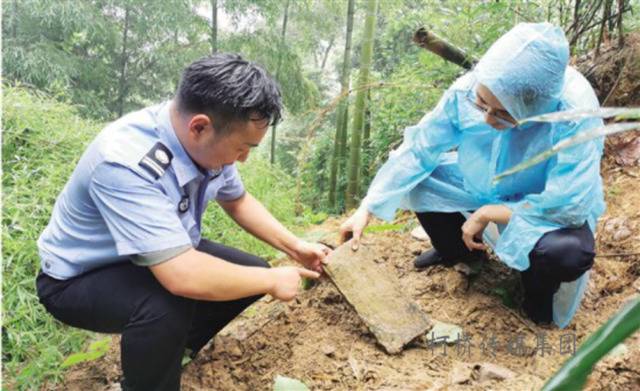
x,y
351,78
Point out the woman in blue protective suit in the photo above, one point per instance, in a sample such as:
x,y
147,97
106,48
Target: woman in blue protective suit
x,y
546,214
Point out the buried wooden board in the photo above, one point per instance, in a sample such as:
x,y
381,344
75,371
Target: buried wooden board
x,y
393,317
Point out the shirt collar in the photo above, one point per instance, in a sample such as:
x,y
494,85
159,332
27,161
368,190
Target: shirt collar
x,y
185,169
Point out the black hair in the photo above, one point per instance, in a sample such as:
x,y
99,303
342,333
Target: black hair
x,y
229,88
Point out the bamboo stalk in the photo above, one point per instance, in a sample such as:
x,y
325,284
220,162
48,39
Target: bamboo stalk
x,y
428,40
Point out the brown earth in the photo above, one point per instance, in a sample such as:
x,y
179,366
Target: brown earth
x,y
615,76
613,72
320,340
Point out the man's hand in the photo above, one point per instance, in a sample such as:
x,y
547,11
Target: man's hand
x,y
354,226
310,255
255,219
286,281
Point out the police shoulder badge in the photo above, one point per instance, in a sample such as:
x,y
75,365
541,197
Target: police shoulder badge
x,y
157,160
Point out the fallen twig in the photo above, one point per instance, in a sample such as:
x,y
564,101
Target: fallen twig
x,y
520,318
616,255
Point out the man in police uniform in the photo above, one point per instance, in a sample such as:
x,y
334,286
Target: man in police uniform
x,y
123,251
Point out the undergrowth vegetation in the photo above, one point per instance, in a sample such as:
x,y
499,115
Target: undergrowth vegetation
x,y
42,141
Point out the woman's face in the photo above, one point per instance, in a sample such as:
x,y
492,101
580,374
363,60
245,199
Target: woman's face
x,y
494,113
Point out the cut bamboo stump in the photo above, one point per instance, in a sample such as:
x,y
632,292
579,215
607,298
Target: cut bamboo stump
x,y
393,317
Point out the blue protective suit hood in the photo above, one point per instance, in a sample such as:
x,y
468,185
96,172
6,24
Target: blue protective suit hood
x,y
525,69
447,162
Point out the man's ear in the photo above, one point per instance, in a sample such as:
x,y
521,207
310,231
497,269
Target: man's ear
x,y
198,125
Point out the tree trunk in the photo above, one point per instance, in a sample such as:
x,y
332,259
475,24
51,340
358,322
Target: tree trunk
x,y
584,23
326,53
433,43
575,26
366,140
576,15
14,21
124,58
282,42
605,16
620,30
340,141
560,13
353,185
214,26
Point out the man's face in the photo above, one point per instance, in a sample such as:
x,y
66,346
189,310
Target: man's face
x,y
211,149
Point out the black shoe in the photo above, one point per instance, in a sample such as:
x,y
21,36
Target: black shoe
x,y
541,312
432,257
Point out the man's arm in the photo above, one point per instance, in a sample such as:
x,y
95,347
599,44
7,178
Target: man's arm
x,y
254,218
201,276
127,202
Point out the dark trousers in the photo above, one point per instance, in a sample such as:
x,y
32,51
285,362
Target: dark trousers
x,y
559,256
156,325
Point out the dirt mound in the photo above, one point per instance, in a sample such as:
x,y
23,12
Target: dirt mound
x,y
615,76
615,72
320,340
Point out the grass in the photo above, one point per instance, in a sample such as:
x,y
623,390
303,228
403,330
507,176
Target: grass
x,y
42,141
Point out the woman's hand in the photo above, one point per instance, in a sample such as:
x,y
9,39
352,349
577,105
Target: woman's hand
x,y
354,226
473,228
472,231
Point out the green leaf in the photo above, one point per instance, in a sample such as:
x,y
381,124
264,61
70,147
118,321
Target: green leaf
x,y
74,359
96,350
307,283
384,228
569,142
283,383
505,296
577,114
100,345
573,374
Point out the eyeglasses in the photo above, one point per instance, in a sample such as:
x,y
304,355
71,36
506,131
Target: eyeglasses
x,y
501,116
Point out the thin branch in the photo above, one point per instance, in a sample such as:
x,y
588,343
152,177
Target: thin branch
x,y
326,53
615,85
605,14
588,16
616,255
592,25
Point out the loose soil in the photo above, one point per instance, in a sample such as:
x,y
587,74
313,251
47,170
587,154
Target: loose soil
x,y
615,76
320,340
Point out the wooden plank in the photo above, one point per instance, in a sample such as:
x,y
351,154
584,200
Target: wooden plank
x,y
393,317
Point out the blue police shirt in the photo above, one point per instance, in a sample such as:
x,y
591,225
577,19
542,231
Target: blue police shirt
x,y
135,190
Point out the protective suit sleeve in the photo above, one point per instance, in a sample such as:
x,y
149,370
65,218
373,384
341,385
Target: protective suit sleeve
x,y
573,192
415,159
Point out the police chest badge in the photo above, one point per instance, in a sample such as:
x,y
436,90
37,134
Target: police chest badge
x,y
183,206
157,160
